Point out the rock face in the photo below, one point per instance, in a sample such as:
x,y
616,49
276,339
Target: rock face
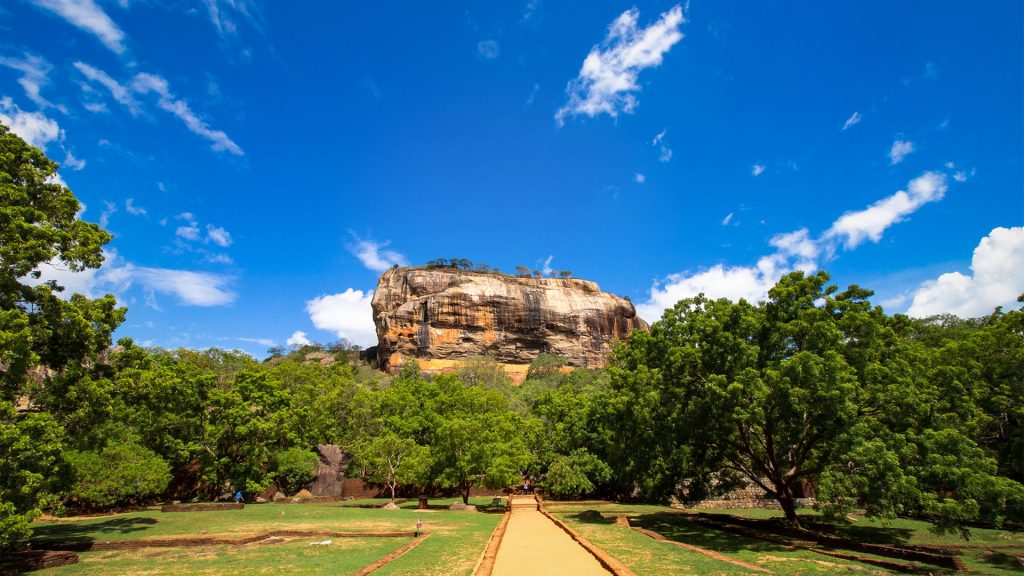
x,y
438,316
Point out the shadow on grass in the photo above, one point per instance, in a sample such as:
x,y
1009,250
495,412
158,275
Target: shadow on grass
x,y
86,531
678,528
1004,561
868,534
591,517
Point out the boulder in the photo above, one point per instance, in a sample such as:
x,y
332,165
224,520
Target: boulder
x,y
302,494
463,507
390,506
330,471
439,316
278,496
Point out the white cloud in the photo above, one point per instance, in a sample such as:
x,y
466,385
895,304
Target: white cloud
x,y
347,314
35,72
225,15
796,250
117,276
119,92
372,254
664,152
218,236
757,170
298,339
488,49
533,94
639,178
607,81
218,258
88,16
71,162
190,231
131,208
33,127
899,150
96,107
852,121
727,219
145,83
261,341
996,279
545,267
111,208
853,228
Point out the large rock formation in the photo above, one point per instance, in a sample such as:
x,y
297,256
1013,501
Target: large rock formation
x,y
439,316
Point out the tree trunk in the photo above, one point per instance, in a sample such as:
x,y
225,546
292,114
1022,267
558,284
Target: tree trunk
x,y
788,503
465,494
392,486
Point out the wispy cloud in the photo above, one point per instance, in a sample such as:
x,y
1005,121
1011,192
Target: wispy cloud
x,y
144,83
109,211
35,72
347,314
796,250
120,93
664,152
190,230
853,228
298,339
116,276
727,219
218,236
853,120
757,170
488,49
225,15
533,94
373,254
89,17
899,150
639,178
268,342
607,81
131,208
996,279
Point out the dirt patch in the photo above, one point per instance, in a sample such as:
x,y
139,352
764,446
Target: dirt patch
x,y
203,507
37,560
84,546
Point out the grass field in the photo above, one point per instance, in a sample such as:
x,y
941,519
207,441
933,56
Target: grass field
x,y
649,557
456,542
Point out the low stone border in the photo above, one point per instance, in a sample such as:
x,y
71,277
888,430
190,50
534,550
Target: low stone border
x,y
485,565
607,560
391,557
29,560
83,546
204,507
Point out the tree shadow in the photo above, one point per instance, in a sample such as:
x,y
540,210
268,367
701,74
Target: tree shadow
x,y
1013,562
679,528
59,532
591,517
889,535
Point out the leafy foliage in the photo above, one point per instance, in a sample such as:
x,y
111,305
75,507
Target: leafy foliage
x,y
122,471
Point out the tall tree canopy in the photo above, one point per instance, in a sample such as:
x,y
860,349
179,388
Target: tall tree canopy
x,y
39,331
813,387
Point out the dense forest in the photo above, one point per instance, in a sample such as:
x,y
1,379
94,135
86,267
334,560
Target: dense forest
x,y
813,387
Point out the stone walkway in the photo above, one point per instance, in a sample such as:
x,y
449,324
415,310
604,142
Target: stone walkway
x,y
534,546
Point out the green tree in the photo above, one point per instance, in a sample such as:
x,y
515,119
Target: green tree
x,y
574,474
122,472
811,385
393,460
294,467
57,339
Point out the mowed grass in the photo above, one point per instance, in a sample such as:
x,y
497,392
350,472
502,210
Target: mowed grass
x,y
646,556
456,542
992,551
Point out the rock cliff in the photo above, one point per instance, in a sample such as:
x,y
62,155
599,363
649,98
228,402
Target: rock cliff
x,y
440,315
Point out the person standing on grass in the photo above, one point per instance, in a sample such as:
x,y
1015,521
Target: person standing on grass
x,y
419,527
238,497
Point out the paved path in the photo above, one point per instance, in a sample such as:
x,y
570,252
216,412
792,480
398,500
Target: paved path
x,y
534,546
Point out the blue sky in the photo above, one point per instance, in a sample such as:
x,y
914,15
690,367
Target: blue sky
x,y
259,163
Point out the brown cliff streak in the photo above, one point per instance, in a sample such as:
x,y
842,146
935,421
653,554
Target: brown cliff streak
x,y
440,316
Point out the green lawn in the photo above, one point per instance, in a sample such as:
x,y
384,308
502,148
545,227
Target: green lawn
x,y
456,542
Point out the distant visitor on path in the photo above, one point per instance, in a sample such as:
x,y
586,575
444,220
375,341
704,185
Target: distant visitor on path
x,y
419,527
